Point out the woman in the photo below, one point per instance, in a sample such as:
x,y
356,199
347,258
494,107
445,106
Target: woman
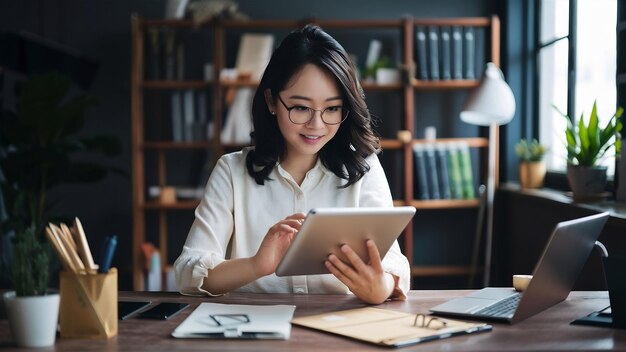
x,y
313,147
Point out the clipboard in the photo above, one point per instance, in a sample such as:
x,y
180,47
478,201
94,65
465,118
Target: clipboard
x,y
235,321
388,328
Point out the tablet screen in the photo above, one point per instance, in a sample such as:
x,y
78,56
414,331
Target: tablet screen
x,y
325,229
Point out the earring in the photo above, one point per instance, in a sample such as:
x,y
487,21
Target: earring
x,y
273,112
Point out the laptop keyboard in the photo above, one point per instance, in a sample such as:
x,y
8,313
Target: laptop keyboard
x,y
503,308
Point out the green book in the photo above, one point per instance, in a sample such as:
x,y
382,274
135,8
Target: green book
x,y
466,171
454,171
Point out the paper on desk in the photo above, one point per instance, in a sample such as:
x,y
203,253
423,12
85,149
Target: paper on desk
x,y
260,322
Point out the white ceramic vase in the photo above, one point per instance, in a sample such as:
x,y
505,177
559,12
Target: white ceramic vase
x,y
33,319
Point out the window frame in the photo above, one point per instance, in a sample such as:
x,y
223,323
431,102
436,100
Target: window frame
x,y
557,179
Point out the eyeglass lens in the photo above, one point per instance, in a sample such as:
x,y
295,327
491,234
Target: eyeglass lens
x,y
300,114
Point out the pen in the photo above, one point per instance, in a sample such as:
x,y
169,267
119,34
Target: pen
x,y
106,254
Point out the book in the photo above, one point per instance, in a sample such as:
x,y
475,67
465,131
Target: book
x,y
420,172
433,51
454,171
388,328
200,132
445,59
433,178
466,171
442,171
254,53
189,115
154,54
181,192
169,54
237,321
373,55
457,52
176,105
420,48
239,119
468,53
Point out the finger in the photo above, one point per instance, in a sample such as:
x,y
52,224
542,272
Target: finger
x,y
374,255
343,267
296,216
296,224
354,258
282,227
338,274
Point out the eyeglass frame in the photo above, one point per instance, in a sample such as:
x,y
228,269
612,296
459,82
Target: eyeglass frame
x,y
243,319
426,323
312,113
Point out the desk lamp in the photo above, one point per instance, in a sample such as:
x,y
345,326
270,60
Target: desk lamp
x,y
490,104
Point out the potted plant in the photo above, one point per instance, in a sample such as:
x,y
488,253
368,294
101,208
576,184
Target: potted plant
x,y
587,144
37,141
532,168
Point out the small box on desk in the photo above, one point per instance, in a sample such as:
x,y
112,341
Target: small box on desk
x,y
88,305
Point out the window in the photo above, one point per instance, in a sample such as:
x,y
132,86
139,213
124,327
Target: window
x,y
573,79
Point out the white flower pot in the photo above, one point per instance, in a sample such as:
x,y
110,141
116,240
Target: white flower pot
x,y
33,319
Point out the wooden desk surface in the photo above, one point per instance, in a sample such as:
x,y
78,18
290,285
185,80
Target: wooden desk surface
x,y
550,330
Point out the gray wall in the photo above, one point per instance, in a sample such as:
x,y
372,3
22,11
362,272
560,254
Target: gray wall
x,y
101,30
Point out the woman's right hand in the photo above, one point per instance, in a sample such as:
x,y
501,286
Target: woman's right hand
x,y
275,244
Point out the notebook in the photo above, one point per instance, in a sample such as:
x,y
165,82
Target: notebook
x,y
388,328
554,276
237,321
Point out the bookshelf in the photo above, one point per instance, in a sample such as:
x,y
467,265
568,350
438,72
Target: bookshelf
x,y
403,30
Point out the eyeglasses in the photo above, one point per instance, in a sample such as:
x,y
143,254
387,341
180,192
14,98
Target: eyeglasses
x,y
301,115
423,321
228,320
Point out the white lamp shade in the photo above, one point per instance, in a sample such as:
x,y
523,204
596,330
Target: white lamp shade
x,y
491,102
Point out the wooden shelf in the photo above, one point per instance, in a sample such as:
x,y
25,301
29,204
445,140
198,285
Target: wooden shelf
x,y
167,22
458,21
450,84
403,29
476,142
445,203
348,24
391,144
231,83
181,204
444,270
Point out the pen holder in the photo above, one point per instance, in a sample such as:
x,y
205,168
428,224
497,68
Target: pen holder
x,y
88,305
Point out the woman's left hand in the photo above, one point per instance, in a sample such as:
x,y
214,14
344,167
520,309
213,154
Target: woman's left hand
x,y
367,281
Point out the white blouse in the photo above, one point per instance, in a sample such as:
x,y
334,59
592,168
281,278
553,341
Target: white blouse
x,y
235,214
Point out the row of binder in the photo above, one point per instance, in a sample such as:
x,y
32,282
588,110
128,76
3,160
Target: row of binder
x,y
443,171
448,52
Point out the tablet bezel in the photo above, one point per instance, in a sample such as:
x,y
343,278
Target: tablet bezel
x,y
326,229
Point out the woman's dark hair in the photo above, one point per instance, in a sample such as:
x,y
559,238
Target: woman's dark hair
x,y
345,153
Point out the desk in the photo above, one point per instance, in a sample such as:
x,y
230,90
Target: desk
x,y
549,330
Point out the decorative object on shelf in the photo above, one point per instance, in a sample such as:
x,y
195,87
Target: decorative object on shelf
x,y
206,10
587,145
532,168
175,9
490,104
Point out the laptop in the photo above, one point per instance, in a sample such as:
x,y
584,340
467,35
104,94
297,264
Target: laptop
x,y
558,268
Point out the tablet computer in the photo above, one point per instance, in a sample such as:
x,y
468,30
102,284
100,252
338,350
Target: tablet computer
x,y
324,230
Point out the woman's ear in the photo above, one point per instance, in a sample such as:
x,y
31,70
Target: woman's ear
x,y
269,101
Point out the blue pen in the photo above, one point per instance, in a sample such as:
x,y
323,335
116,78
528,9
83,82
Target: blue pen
x,y
106,254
